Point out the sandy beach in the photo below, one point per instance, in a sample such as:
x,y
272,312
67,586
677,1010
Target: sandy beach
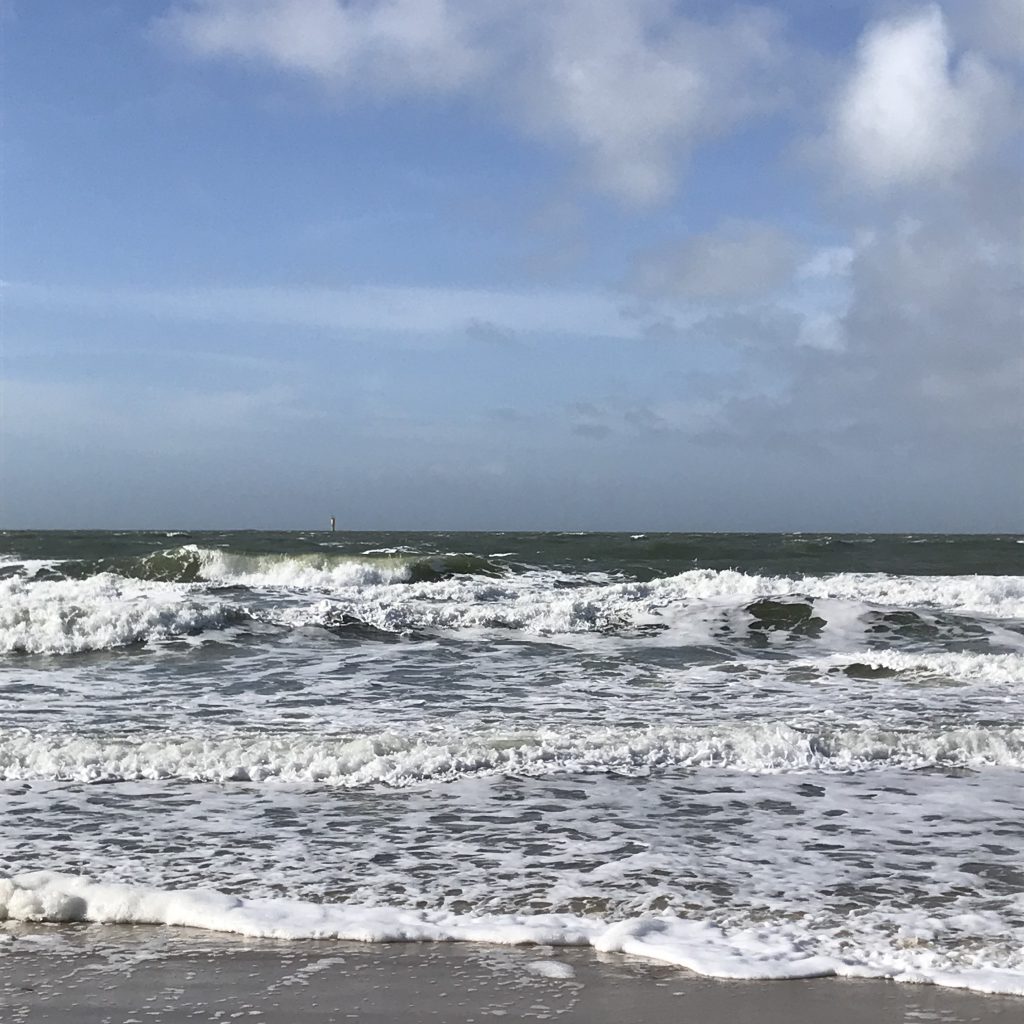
x,y
93,975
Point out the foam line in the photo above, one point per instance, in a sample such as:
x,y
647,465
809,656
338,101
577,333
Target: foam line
x,y
399,758
763,953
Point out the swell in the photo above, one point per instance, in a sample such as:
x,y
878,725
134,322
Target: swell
x,y
401,759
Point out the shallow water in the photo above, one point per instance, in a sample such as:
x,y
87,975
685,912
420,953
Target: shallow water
x,y
754,755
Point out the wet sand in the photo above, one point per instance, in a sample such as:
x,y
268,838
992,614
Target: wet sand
x,y
92,975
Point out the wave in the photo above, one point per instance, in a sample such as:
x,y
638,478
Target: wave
x,y
102,612
455,592
774,950
320,570
301,572
537,603
399,759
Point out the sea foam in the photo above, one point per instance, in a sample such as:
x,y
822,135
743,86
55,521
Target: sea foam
x,y
398,759
772,951
531,603
108,610
103,611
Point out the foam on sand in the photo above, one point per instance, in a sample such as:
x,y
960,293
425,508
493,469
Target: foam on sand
x,y
553,969
748,953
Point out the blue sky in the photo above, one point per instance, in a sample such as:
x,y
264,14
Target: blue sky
x,y
470,264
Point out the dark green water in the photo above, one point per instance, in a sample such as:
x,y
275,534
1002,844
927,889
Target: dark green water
x,y
640,556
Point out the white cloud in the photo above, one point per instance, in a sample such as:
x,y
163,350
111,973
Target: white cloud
x,y
827,264
739,260
910,113
633,86
389,46
628,86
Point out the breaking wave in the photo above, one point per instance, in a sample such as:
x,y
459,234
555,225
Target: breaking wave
x,y
102,612
306,571
183,591
534,603
400,759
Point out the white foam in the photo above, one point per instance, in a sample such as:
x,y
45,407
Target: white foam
x,y
997,596
103,611
952,666
29,566
531,603
38,616
396,758
776,950
532,600
554,969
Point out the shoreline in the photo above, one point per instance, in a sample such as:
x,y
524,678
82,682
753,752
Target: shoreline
x,y
91,974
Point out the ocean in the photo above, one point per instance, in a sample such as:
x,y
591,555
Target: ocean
x,y
754,756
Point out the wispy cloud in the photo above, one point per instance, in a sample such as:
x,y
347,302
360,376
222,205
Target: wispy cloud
x,y
425,312
392,47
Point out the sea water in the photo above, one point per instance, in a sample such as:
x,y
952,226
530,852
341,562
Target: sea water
x,y
755,756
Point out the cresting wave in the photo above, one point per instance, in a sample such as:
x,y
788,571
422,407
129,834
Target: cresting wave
x,y
106,610
400,759
473,578
302,572
322,570
772,951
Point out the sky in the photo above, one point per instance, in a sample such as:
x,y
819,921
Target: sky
x,y
512,264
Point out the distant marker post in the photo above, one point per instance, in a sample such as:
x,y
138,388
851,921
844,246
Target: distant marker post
x,y
332,524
